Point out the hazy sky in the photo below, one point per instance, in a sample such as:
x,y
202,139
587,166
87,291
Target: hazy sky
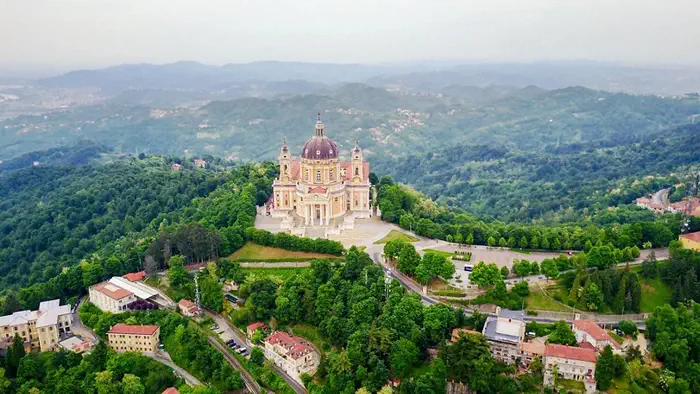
x,y
92,33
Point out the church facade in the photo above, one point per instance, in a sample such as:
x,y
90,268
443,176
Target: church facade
x,y
319,187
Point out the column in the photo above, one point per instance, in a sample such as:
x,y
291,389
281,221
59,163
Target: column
x,y
328,212
306,214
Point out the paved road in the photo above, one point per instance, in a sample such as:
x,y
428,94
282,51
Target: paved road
x,y
231,332
164,358
77,326
661,197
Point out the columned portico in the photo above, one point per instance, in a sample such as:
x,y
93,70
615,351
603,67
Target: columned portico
x,y
317,213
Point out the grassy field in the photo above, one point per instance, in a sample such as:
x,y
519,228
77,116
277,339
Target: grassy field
x,y
439,252
254,252
311,334
654,293
277,272
396,234
538,300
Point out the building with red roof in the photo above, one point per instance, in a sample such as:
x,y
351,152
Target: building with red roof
x,y
134,338
691,241
250,330
135,276
170,390
573,363
188,308
588,331
291,353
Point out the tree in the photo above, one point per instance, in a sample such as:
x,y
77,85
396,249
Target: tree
x,y
504,272
601,257
5,383
628,327
593,297
522,268
534,242
257,356
404,354
470,239
104,383
608,366
14,356
131,384
393,248
438,320
177,273
485,275
562,334
491,241
408,259
512,242
649,266
549,268
523,242
502,242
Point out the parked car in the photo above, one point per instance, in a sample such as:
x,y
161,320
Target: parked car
x,y
242,350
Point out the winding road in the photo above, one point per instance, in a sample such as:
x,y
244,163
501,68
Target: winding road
x,y
164,358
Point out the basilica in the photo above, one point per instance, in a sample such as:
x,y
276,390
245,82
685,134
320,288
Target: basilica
x,y
320,188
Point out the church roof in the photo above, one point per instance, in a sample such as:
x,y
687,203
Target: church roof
x,y
319,148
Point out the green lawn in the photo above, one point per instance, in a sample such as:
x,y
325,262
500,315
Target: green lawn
x,y
311,334
538,300
254,252
396,234
654,293
281,273
571,384
521,251
439,253
616,337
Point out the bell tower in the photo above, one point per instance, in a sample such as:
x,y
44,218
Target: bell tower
x,y
357,170
285,162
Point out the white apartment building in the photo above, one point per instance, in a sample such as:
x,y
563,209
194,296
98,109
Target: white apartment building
x,y
504,334
573,363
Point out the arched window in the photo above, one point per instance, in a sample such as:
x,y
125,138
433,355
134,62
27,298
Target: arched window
x,y
357,171
330,174
306,174
318,175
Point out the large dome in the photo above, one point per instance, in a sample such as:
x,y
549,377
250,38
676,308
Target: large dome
x,y
319,147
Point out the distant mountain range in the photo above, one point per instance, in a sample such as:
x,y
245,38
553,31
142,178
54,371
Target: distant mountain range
x,y
431,77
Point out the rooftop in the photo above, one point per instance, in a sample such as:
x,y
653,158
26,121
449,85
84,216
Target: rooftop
x,y
121,328
112,291
591,328
503,329
71,343
695,237
48,314
570,352
255,326
135,276
170,390
140,290
533,347
295,346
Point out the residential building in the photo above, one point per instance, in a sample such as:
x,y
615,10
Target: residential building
x,y
127,338
75,344
250,330
291,354
573,363
116,294
200,163
170,390
319,187
110,297
188,308
41,329
504,334
590,332
530,351
691,241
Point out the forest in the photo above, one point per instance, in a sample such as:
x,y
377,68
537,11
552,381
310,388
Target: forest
x,y
565,184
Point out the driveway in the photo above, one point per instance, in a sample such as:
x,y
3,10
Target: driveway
x,y
77,326
164,358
